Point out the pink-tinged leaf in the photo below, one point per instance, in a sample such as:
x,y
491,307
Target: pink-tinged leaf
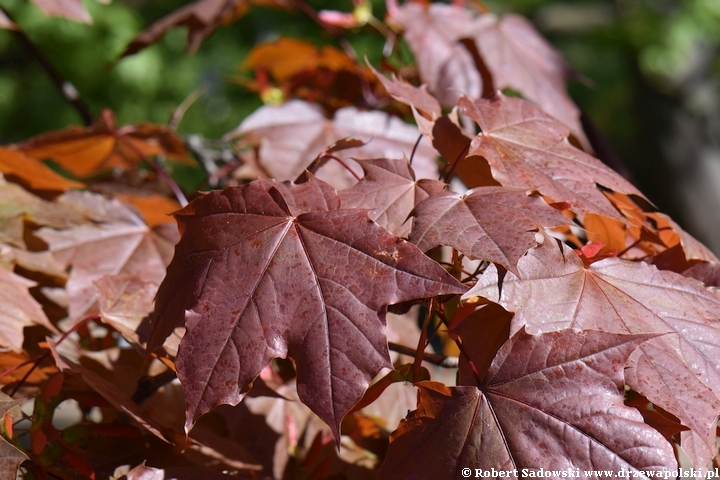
x,y
386,136
433,34
253,282
417,97
72,9
19,310
660,374
551,401
121,244
443,132
17,204
390,191
519,58
290,136
496,224
143,472
527,148
615,295
124,300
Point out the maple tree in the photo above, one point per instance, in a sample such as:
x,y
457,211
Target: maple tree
x,y
412,270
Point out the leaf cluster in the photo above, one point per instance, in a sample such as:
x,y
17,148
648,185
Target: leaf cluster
x,y
368,297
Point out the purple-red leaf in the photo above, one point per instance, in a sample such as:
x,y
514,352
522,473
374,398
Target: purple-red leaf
x,y
497,224
254,282
557,291
519,58
433,34
390,190
417,97
527,148
551,401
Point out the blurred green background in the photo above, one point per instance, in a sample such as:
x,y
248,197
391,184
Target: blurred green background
x,y
649,74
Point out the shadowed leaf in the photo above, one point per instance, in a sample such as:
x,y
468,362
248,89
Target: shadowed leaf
x,y
552,401
557,291
103,146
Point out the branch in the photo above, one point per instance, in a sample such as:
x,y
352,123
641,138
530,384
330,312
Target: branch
x,y
434,358
66,88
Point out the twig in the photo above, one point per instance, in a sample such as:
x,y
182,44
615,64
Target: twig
x,y
66,88
160,171
178,114
434,358
40,358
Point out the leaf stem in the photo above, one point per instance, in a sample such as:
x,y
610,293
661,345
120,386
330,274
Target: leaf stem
x,y
422,341
37,360
159,170
434,358
341,162
453,165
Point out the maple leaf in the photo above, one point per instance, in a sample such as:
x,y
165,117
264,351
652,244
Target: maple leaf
x,y
254,282
443,132
285,58
19,310
433,34
527,148
102,146
557,291
10,456
290,136
482,331
123,301
312,195
33,173
519,58
497,224
17,205
389,188
121,244
155,209
551,401
417,97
